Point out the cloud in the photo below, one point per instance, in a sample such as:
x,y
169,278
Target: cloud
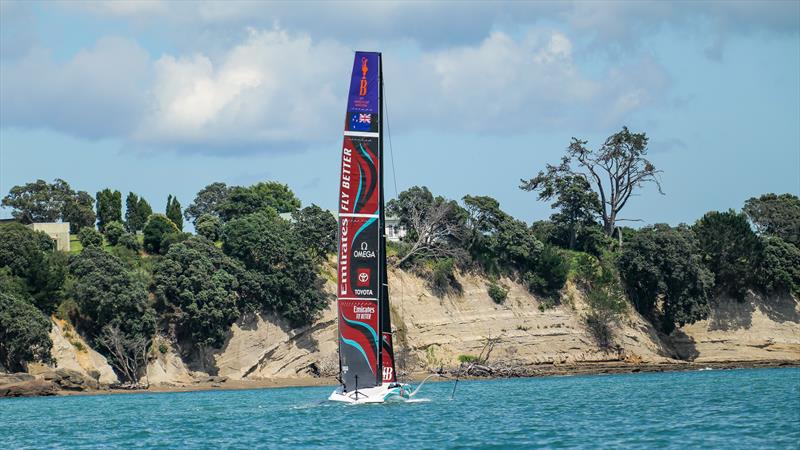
x,y
279,91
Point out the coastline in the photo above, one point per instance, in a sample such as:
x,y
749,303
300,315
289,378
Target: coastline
x,y
535,371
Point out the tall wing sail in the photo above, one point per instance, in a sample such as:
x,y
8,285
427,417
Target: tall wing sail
x,y
360,203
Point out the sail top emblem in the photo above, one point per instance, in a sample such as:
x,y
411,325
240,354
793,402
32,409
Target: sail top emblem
x,y
362,91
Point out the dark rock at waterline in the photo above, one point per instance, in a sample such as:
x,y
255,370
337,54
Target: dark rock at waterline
x,y
28,388
71,380
9,378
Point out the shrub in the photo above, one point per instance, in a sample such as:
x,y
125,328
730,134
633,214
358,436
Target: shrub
x,y
606,305
466,359
779,267
442,279
158,225
550,273
89,237
497,292
113,232
129,241
171,238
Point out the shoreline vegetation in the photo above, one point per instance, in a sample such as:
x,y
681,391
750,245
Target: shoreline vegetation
x,y
533,371
250,294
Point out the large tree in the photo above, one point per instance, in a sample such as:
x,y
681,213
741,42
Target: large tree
x,y
730,249
207,201
242,201
109,207
776,215
436,227
200,288
40,201
173,211
576,205
665,277
316,228
616,170
24,333
137,211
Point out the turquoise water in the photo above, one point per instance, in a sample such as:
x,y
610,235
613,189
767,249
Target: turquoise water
x,y
710,409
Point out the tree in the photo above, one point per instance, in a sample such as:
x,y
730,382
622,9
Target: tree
x,y
776,215
127,351
281,275
29,255
109,295
43,202
549,273
730,249
663,264
242,201
137,211
114,230
24,334
109,208
89,237
209,226
616,170
202,286
577,207
207,201
79,211
779,267
436,227
157,227
129,241
316,229
174,212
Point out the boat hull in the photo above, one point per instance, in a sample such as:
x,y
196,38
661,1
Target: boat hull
x,y
388,392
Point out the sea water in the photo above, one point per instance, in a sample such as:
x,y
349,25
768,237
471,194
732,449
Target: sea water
x,y
708,409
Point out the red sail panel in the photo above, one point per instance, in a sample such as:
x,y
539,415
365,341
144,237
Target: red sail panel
x,y
360,274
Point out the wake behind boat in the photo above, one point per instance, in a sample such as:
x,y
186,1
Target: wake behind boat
x,y
366,356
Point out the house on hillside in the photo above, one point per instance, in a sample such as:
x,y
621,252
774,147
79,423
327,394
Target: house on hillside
x,y
58,232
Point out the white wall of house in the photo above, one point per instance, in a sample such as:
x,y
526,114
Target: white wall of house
x,y
58,231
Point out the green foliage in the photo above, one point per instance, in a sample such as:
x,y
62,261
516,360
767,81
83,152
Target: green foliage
x,y
202,286
730,249
29,255
207,201
549,274
316,229
173,211
660,262
109,208
466,359
129,241
242,201
114,230
604,296
779,267
137,211
24,333
776,215
497,292
209,226
172,238
89,237
40,201
156,228
442,278
281,275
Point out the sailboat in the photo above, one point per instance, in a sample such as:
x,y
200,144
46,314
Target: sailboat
x,y
366,358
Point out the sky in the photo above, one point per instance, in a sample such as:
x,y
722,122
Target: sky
x,y
162,98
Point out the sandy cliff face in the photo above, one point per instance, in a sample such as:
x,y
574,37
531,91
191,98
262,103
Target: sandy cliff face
x,y
756,329
70,351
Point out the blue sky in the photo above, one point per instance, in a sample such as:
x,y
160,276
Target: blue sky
x,y
163,98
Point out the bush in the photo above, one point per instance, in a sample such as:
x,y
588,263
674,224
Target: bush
x,y
466,359
497,292
171,238
158,225
606,305
113,231
24,334
550,273
129,241
89,237
209,226
442,279
779,267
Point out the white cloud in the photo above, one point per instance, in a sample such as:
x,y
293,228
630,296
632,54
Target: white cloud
x,y
278,90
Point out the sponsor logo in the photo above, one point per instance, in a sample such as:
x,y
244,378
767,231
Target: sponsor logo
x,y
343,258
364,252
363,276
362,90
387,374
364,312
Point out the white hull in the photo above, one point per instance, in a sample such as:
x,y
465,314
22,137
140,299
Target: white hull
x,y
387,392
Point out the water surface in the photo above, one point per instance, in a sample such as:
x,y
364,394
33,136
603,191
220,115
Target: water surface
x,y
710,409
